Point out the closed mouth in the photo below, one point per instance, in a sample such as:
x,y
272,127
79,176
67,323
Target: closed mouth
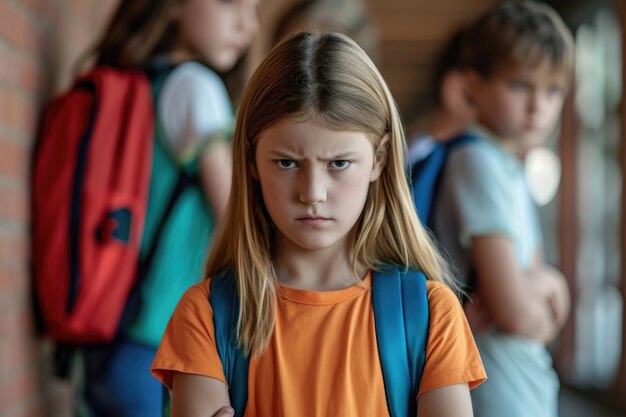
x,y
313,221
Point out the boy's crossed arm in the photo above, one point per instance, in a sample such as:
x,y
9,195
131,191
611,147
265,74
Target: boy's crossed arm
x,y
551,285
532,303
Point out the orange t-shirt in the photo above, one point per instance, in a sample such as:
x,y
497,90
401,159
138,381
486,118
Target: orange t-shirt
x,y
322,358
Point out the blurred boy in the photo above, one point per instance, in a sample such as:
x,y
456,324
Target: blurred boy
x,y
519,59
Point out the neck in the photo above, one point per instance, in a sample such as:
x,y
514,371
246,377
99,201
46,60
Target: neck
x,y
509,144
326,269
179,56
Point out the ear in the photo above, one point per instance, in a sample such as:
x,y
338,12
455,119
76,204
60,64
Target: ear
x,y
451,85
455,96
473,85
380,158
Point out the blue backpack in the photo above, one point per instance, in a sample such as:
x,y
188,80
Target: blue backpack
x,y
400,306
426,175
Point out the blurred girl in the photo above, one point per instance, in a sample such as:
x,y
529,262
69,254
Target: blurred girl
x,y
182,44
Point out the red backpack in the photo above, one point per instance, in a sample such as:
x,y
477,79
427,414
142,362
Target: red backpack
x,y
91,179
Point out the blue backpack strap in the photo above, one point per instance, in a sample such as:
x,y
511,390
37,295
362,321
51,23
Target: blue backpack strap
x,y
401,316
224,299
426,174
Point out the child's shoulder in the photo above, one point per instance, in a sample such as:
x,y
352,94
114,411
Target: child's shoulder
x,y
443,304
193,79
483,155
440,294
482,143
198,292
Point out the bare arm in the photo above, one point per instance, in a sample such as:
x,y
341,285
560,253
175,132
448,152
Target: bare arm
x,y
215,176
516,304
199,396
448,401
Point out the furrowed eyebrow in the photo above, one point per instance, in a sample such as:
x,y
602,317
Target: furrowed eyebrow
x,y
332,157
343,155
284,154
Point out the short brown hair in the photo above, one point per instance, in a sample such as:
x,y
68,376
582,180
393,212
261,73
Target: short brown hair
x,y
518,33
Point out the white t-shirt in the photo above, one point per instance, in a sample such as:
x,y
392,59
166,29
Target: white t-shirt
x,y
484,192
194,110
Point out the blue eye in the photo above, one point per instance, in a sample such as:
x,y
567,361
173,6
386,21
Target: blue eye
x,y
285,163
339,164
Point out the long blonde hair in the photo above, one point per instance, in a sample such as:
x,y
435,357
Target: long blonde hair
x,y
329,77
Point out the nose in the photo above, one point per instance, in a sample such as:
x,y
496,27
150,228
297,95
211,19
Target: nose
x,y
537,101
312,189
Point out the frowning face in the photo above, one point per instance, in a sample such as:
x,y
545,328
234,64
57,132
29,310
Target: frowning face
x,y
315,182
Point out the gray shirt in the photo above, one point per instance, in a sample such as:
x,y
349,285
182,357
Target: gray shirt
x,y
484,192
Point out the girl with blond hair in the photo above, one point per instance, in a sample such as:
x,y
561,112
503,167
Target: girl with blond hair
x,y
320,207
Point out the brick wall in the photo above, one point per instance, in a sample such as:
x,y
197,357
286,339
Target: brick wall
x,y
39,41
